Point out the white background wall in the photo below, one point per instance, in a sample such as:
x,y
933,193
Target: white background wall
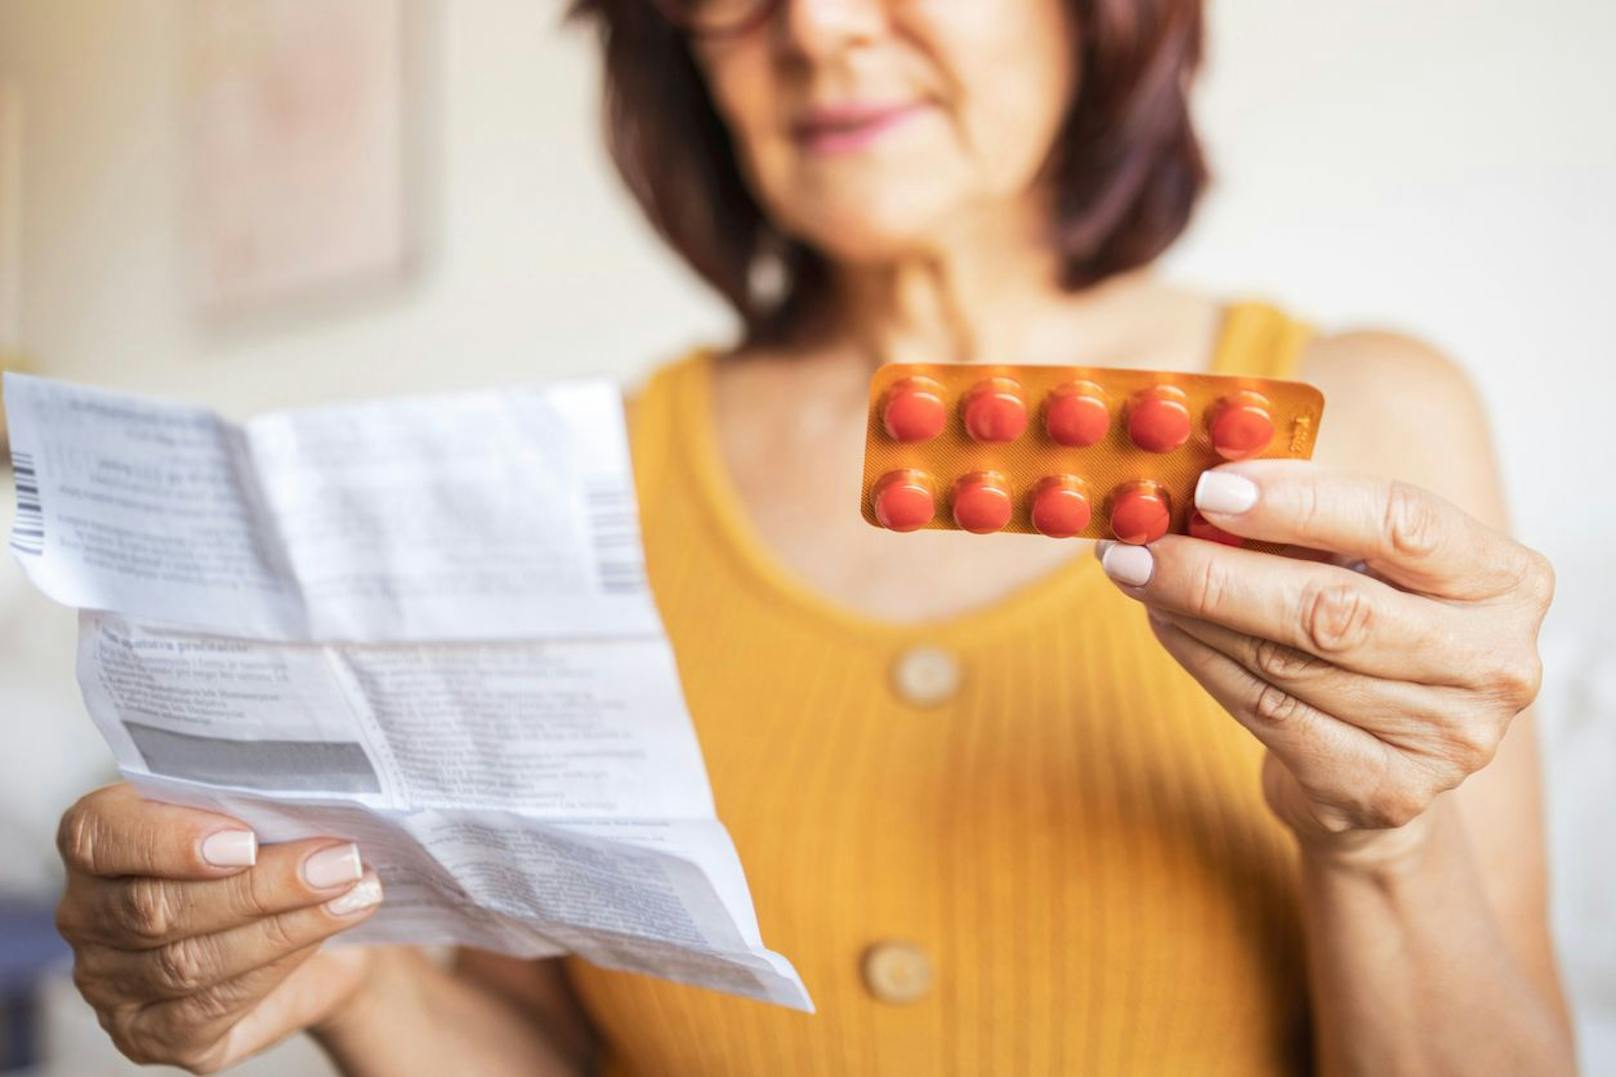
x,y
1445,167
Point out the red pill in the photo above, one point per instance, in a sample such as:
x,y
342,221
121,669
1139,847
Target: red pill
x,y
1060,506
982,502
1140,512
995,410
1159,419
1076,414
914,409
903,500
1241,425
1202,528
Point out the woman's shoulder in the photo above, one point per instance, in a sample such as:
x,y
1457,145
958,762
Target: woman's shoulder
x,y
658,405
674,369
1408,382
1365,358
1396,405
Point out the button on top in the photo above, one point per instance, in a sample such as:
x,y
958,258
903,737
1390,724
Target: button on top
x,y
926,676
897,972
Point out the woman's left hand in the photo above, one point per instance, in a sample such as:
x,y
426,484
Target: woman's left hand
x,y
1376,687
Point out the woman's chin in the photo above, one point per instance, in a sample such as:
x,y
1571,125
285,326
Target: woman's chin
x,y
872,230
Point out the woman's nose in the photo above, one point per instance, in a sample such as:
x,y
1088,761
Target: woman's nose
x,y
818,27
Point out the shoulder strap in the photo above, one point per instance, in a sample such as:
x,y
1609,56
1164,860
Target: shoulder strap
x,y
655,410
1260,340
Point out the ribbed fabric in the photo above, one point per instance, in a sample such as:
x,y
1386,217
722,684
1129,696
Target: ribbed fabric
x,y
1077,839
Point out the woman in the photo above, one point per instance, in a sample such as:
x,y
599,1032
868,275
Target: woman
x,y
1003,818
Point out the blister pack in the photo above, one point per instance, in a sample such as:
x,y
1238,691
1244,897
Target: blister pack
x,y
1068,452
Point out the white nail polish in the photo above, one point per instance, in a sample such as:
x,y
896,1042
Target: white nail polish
x,y
332,867
231,849
1128,565
1225,492
365,893
1101,546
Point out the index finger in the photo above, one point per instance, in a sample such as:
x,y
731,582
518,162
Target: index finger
x,y
115,831
1406,535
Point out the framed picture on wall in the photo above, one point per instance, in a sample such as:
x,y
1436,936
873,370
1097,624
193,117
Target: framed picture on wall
x,y
10,221
301,150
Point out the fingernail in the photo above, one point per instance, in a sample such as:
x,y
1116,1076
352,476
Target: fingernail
x,y
1128,565
365,893
333,866
231,849
1101,546
1225,492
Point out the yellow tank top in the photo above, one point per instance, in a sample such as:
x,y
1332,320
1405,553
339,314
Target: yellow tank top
x,y
1017,841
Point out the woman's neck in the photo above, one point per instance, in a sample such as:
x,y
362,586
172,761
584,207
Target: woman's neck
x,y
987,289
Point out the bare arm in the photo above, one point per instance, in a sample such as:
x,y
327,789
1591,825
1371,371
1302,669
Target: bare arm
x,y
1436,955
1391,702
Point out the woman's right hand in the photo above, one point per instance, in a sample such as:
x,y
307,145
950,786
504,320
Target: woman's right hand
x,y
196,947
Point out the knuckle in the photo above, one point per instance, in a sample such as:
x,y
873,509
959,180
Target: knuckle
x,y
181,967
1275,706
1514,679
250,894
278,933
135,1049
166,1035
78,835
69,920
90,986
1209,583
142,909
1537,580
1305,505
1465,747
1543,578
1392,807
1336,616
169,1029
208,1005
134,1042
108,1017
1482,746
1412,523
1278,661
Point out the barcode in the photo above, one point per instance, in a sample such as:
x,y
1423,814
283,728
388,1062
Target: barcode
x,y
28,530
615,534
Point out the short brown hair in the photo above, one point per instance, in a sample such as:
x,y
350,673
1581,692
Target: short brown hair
x,y
1126,167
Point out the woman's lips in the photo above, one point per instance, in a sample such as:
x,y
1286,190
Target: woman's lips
x,y
849,128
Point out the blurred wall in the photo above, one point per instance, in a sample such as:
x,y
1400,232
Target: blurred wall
x,y
1438,166
530,256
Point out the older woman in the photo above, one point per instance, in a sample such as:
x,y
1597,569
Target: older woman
x,y
1011,808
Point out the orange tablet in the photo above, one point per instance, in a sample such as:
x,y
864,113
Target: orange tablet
x,y
1067,452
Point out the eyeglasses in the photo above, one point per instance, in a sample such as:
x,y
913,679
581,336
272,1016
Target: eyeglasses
x,y
717,18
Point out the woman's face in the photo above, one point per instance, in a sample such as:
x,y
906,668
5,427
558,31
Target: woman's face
x,y
868,127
